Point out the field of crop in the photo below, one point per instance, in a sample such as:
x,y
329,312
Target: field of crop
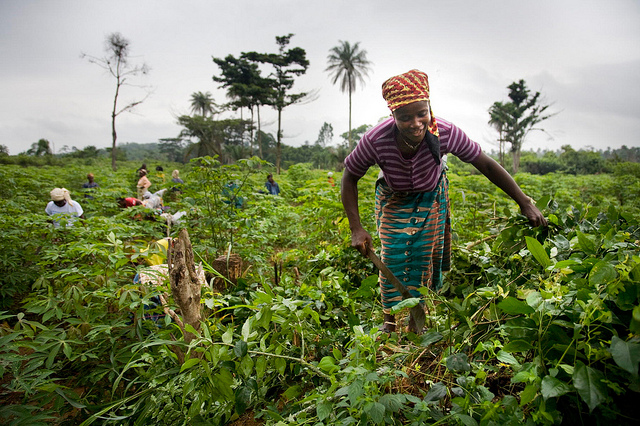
x,y
533,326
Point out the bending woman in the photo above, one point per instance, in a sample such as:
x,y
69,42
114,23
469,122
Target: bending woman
x,y
412,201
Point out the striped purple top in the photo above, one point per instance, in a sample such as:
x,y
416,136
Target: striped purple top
x,y
416,174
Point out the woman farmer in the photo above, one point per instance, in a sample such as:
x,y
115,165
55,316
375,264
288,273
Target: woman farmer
x,y
143,183
412,202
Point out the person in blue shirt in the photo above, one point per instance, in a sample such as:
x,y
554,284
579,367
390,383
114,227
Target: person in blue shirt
x,y
272,185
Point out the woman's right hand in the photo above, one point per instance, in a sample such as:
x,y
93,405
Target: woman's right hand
x,y
361,240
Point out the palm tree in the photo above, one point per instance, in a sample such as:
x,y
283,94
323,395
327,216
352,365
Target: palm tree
x,y
202,103
348,64
498,119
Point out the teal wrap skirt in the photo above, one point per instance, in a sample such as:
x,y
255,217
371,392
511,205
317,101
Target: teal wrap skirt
x,y
415,234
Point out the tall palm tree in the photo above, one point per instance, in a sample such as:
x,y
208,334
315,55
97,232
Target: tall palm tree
x,y
348,64
202,103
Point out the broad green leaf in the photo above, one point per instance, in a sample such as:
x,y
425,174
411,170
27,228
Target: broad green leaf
x,y
240,349
355,391
513,306
328,365
246,328
281,365
189,328
521,329
458,362
243,399
466,420
293,392
507,358
189,363
392,402
323,410
375,410
406,303
430,338
227,337
538,252
552,387
336,354
261,366
437,391
223,381
517,346
588,383
485,393
586,243
246,366
625,354
73,402
602,273
528,394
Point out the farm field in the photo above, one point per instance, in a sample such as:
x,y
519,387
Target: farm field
x,y
536,326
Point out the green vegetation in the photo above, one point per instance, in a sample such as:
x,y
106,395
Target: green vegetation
x,y
534,326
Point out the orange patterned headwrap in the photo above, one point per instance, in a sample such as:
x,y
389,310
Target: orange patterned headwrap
x,y
407,88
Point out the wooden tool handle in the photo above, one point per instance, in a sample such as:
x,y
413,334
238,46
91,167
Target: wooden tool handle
x,y
388,274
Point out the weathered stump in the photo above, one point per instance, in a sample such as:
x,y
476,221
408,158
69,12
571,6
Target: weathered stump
x,y
230,269
185,282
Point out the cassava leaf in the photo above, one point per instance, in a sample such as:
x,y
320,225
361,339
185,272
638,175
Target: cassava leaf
x,y
552,387
625,354
538,252
513,306
588,383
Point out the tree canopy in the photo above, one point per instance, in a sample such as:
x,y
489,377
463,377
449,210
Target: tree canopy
x,y
287,64
348,64
516,118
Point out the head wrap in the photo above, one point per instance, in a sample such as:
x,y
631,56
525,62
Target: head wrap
x,y
407,88
59,194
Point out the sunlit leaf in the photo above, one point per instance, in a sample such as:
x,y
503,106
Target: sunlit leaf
x,y
507,358
538,252
513,306
602,273
189,363
328,365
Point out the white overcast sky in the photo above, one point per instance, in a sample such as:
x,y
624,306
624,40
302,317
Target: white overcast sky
x,y
582,55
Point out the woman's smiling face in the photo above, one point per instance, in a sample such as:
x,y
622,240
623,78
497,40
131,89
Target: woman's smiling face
x,y
413,120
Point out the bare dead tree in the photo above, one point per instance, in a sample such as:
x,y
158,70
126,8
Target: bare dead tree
x,y
116,62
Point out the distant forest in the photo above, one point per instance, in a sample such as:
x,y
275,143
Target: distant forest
x,y
564,160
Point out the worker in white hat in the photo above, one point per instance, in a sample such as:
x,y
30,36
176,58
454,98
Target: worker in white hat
x,y
61,205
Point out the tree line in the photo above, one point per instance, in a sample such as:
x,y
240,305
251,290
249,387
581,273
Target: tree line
x,y
323,154
253,80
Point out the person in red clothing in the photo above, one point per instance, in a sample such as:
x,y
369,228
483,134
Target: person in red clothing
x,y
129,202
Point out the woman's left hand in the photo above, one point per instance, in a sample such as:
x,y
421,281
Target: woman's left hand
x,y
535,216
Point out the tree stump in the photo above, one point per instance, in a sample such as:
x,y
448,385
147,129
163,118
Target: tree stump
x,y
186,284
230,269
